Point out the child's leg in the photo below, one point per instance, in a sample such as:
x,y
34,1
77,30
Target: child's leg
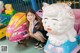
x,y
39,36
41,40
42,35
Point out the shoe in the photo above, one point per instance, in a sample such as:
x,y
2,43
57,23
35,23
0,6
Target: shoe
x,y
19,42
23,42
37,44
41,46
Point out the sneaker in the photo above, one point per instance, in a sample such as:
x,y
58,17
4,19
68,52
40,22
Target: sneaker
x,y
37,44
41,46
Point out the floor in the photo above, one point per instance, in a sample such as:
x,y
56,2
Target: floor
x,y
19,48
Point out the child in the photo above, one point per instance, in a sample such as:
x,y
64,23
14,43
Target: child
x,y
36,29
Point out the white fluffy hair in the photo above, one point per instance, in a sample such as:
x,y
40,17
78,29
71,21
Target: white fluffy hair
x,y
60,19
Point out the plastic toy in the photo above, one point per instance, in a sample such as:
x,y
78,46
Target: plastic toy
x,y
76,50
77,19
2,31
17,28
58,20
78,39
39,13
77,22
5,19
1,6
9,10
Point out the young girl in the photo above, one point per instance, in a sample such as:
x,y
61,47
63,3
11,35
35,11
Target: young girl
x,y
36,29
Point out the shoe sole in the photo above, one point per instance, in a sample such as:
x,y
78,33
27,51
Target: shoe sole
x,y
41,48
35,47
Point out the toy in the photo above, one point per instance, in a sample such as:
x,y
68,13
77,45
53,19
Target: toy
x,y
76,50
77,21
58,21
1,6
5,19
78,39
9,10
39,13
17,28
2,31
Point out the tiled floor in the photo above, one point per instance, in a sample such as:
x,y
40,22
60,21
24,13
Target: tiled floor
x,y
18,48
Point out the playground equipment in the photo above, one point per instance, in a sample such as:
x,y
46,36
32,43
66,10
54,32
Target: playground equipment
x,y
1,6
2,31
17,28
9,9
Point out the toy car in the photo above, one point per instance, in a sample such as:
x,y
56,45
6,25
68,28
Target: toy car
x,y
17,28
2,31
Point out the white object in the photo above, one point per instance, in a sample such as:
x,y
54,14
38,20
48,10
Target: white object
x,y
1,6
58,19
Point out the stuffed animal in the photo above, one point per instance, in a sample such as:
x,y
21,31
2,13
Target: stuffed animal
x,y
58,20
1,6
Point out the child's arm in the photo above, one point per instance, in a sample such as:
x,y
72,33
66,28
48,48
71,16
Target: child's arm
x,y
31,26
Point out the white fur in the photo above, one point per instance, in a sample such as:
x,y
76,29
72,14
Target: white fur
x,y
59,18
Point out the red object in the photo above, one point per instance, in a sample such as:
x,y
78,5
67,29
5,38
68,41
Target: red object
x,y
77,20
19,34
4,10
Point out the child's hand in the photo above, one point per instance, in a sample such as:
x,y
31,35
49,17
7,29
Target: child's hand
x,y
32,19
